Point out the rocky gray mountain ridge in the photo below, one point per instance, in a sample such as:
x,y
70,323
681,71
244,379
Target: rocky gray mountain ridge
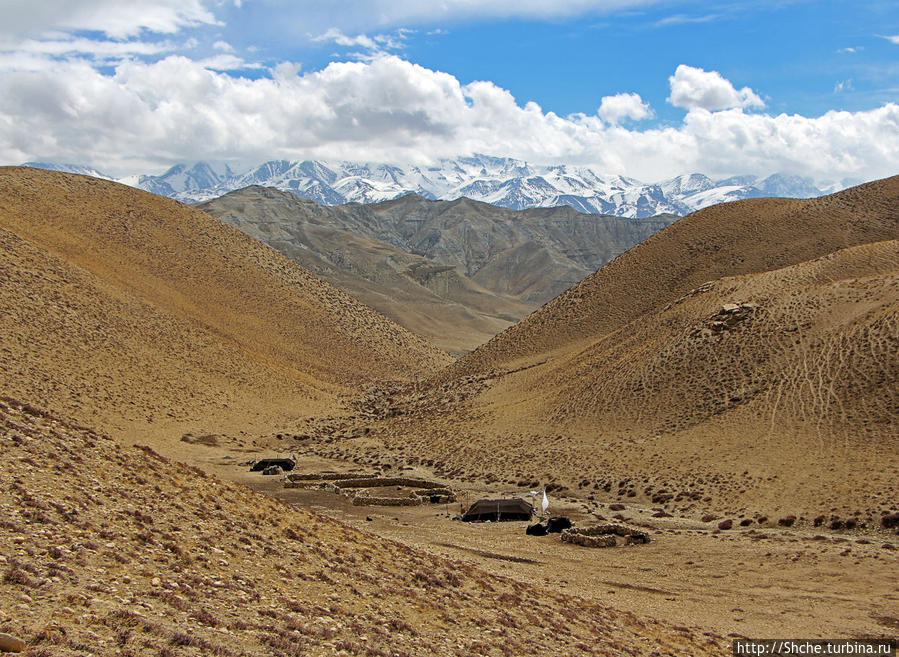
x,y
506,182
456,272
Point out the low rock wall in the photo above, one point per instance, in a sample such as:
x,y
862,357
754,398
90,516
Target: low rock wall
x,y
426,492
603,535
364,500
375,482
606,540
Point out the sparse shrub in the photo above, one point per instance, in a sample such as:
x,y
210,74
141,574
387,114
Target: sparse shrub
x,y
16,575
349,646
285,647
119,556
193,641
171,599
205,617
122,617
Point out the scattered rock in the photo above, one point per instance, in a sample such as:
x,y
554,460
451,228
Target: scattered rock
x,y
726,524
708,517
891,520
9,643
787,521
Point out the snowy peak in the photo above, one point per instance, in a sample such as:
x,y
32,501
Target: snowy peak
x,y
186,179
687,184
781,184
501,181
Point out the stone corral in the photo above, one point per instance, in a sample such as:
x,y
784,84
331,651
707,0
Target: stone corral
x,y
358,486
373,482
604,535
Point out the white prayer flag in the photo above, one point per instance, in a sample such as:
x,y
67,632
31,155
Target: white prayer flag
x,y
545,503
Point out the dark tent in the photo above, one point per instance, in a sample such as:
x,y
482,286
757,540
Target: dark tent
x,y
262,464
493,510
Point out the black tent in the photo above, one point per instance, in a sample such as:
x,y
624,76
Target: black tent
x,y
494,510
262,464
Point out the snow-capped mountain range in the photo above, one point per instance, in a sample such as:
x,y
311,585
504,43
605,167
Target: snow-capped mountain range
x,y
505,182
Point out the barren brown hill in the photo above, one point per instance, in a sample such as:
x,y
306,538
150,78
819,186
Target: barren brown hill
x,y
113,551
664,379
768,394
724,240
130,310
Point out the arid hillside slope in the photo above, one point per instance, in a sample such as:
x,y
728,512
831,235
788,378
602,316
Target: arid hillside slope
x,y
769,393
117,551
664,378
724,240
120,308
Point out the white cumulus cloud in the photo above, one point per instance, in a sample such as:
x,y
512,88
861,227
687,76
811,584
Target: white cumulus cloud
x,y
697,88
613,109
147,115
115,18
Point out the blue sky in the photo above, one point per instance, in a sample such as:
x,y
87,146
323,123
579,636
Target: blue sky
x,y
646,88
795,53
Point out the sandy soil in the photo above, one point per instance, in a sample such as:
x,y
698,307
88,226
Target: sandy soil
x,y
761,582
121,552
